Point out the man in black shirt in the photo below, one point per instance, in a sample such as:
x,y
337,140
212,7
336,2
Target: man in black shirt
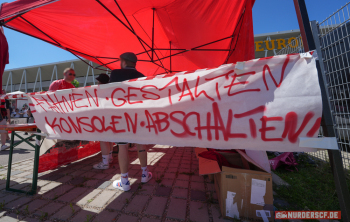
x,y
128,71
4,112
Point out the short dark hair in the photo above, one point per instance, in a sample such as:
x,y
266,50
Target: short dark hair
x,y
67,69
129,63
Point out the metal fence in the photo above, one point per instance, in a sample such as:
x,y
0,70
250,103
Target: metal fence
x,y
334,39
295,46
334,36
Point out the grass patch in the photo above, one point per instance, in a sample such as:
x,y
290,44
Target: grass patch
x,y
312,187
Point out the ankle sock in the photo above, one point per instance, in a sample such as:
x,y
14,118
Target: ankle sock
x,y
124,178
105,159
144,170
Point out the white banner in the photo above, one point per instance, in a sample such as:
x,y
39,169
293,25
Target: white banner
x,y
262,104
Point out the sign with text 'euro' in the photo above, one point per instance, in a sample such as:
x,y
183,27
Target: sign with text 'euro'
x,y
263,104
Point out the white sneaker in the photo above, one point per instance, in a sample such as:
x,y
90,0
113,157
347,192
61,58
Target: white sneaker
x,y
145,178
119,185
4,147
100,166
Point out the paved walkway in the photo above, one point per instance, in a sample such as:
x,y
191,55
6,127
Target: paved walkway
x,y
77,192
21,152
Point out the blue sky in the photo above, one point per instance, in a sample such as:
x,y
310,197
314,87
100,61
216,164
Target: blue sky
x,y
268,16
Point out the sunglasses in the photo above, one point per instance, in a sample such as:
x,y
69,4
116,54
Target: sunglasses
x,y
71,74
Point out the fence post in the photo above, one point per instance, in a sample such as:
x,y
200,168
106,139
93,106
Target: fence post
x,y
328,129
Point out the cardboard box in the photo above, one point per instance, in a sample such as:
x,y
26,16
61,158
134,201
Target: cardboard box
x,y
243,193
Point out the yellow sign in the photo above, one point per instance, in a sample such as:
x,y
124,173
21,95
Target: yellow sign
x,y
272,44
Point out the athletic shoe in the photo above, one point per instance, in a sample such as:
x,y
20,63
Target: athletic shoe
x,y
119,185
4,147
100,166
145,178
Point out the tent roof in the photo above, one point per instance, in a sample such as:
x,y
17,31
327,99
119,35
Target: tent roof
x,y
197,34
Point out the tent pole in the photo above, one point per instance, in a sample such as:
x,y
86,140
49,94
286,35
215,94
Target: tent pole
x,y
153,34
170,55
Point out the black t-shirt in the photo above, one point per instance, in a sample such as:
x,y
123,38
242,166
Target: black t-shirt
x,y
120,75
4,110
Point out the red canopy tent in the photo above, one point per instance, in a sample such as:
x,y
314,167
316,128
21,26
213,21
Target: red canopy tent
x,y
167,35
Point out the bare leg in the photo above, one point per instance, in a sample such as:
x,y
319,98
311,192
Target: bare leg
x,y
111,147
3,138
142,153
105,147
123,158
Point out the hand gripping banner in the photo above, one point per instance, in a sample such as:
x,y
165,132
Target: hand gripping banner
x,y
261,104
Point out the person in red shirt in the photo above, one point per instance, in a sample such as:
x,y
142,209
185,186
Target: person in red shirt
x,y
66,82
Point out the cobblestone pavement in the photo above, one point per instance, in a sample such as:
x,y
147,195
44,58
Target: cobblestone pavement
x,y
77,192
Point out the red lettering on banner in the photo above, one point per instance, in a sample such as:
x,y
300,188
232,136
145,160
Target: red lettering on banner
x,y
65,101
133,124
218,126
228,127
54,105
204,93
77,127
226,75
38,103
113,123
112,96
132,95
291,125
314,128
175,79
149,117
159,121
264,128
256,110
234,77
178,121
219,123
95,101
53,124
185,84
70,128
217,91
187,128
79,121
76,100
169,96
102,122
266,67
209,136
252,126
147,92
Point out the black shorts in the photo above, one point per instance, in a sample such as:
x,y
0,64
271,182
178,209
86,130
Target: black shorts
x,y
121,143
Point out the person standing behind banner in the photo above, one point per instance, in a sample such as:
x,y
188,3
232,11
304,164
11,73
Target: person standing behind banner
x,y
128,71
106,147
5,112
65,83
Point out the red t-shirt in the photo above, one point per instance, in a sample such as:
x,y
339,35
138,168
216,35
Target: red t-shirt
x,y
60,84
